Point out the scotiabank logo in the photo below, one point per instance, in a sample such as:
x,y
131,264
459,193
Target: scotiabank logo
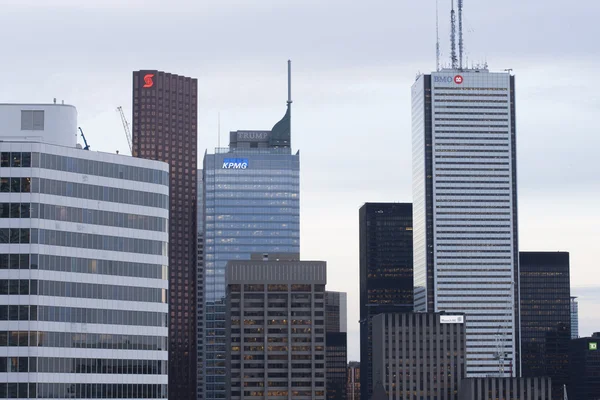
x,y
148,82
458,79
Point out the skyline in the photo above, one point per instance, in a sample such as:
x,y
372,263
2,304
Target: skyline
x,y
352,75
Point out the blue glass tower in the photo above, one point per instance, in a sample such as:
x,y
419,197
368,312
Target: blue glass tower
x,y
251,205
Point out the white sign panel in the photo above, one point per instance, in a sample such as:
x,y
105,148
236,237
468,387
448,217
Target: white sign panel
x,y
452,319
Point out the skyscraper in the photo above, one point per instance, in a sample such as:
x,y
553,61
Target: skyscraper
x,y
419,355
574,318
353,381
545,290
165,129
465,209
83,263
585,368
252,205
386,272
336,340
276,334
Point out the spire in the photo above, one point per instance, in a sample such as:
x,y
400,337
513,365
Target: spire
x,y
281,132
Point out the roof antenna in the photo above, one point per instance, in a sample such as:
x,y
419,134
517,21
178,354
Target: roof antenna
x,y
437,33
289,100
460,33
453,57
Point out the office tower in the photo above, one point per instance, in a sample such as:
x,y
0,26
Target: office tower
x,y
336,351
494,388
165,129
83,263
585,368
353,382
276,328
545,317
419,355
465,209
252,205
574,318
386,272
200,285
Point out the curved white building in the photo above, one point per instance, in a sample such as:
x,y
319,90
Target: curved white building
x,y
83,264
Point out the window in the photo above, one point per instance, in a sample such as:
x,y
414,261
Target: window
x,y
32,120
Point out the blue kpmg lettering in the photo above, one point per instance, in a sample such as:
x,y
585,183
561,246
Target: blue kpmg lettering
x,y
235,163
443,79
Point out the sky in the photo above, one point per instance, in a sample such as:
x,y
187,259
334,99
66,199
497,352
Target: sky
x,y
353,65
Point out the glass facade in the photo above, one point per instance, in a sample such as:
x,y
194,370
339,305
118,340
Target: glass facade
x,y
545,317
83,284
386,272
252,207
336,344
165,117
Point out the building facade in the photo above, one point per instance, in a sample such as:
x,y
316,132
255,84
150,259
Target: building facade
x,y
419,355
200,288
539,388
336,351
276,333
252,205
585,368
83,264
465,209
574,318
386,272
545,289
353,381
165,114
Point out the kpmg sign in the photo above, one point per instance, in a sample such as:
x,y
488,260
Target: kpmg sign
x,y
235,163
452,319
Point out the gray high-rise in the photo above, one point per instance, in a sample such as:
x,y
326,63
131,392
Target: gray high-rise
x,y
466,256
251,205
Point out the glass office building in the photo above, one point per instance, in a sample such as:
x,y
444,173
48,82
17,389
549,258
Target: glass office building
x,y
251,205
83,264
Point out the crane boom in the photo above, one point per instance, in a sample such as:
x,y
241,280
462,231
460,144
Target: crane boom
x,y
87,146
126,128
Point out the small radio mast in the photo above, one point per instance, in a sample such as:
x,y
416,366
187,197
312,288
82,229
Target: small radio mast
x,y
437,33
460,34
453,57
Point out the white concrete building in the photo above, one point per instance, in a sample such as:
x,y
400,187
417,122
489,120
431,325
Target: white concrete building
x,y
465,210
83,263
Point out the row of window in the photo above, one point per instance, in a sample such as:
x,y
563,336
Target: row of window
x,y
95,217
82,290
100,168
83,365
15,159
82,265
82,340
83,241
82,315
13,390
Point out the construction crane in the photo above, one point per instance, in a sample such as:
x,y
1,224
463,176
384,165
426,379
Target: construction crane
x,y
126,128
502,336
87,146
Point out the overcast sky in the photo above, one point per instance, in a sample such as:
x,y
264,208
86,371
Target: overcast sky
x,y
353,65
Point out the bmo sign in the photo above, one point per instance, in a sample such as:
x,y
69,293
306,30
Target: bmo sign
x,y
458,79
235,163
452,319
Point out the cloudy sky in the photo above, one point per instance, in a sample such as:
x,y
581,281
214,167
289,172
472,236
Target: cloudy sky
x,y
353,65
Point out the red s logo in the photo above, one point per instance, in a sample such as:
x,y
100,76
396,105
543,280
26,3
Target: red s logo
x,y
458,79
148,80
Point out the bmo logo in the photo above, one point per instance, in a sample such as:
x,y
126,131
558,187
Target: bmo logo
x,y
458,79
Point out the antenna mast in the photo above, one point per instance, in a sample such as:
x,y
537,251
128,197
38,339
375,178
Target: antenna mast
x,y
289,100
460,34
453,57
437,33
